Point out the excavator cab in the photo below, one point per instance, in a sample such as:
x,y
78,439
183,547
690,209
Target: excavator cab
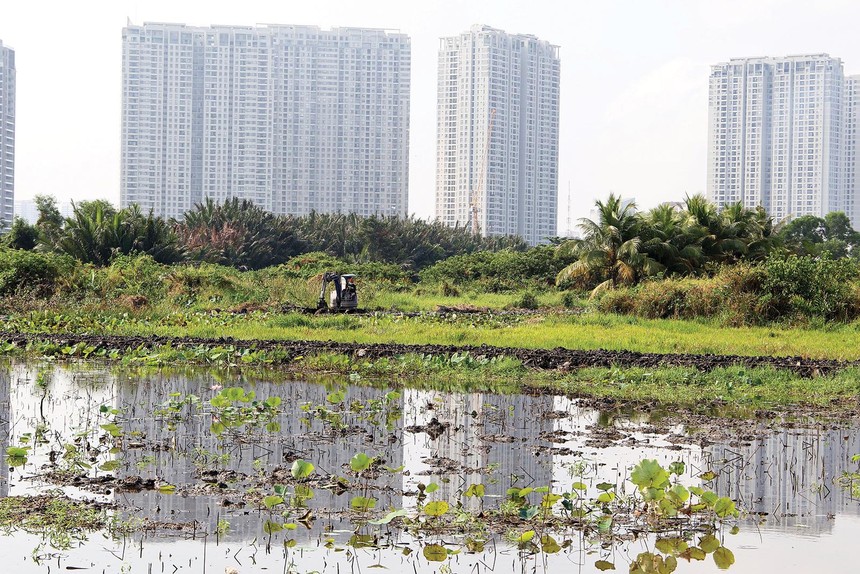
x,y
344,296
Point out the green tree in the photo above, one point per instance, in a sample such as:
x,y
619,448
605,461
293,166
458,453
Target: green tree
x,y
97,232
840,238
733,234
238,233
673,238
410,242
720,242
50,222
21,235
815,236
609,252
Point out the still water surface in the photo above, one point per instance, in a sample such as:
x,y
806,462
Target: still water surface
x,y
783,475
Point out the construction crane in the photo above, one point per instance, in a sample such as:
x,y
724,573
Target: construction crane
x,y
476,193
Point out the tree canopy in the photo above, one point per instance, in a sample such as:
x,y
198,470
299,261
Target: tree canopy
x,y
623,245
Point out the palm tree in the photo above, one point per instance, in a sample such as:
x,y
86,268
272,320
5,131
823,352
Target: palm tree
x,y
672,238
238,233
721,242
609,251
96,232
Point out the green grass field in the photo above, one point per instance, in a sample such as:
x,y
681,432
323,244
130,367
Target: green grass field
x,y
543,330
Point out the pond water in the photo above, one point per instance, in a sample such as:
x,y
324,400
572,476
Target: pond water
x,y
199,475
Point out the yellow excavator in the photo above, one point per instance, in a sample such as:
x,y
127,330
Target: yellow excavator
x,y
344,296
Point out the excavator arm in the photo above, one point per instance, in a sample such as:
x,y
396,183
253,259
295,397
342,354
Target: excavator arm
x,y
327,278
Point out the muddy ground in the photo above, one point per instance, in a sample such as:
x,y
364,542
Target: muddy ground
x,y
546,359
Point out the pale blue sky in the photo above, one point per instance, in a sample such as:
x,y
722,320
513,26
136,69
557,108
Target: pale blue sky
x,y
633,79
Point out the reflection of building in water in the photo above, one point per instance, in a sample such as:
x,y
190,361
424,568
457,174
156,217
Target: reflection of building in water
x,y
181,454
497,441
789,473
4,428
66,405
478,439
590,447
55,407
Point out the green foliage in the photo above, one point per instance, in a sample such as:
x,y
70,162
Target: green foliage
x,y
242,235
388,517
570,300
97,232
499,271
272,501
21,235
50,222
810,287
527,301
362,503
30,271
301,468
137,275
792,288
436,508
649,474
623,246
610,253
410,242
63,523
832,235
313,265
360,462
435,553
238,234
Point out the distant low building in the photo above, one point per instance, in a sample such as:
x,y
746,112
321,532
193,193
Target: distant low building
x,y
26,210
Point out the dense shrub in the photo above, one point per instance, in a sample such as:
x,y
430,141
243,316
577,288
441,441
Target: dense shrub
x,y
21,235
134,275
792,289
662,299
570,300
30,271
807,286
620,301
239,234
311,265
410,242
208,282
499,271
528,300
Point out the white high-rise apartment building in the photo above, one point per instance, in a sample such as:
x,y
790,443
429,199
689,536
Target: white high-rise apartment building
x,y
7,134
777,135
497,133
851,166
294,118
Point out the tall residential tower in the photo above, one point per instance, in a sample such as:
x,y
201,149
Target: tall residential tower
x,y
7,134
294,118
497,134
777,136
